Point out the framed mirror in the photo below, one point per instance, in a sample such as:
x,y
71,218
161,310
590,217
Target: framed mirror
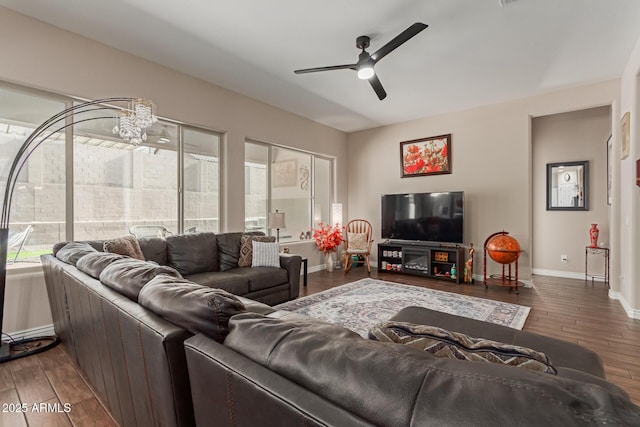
x,y
568,186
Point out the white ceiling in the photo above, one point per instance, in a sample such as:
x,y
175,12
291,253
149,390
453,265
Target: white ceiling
x,y
473,53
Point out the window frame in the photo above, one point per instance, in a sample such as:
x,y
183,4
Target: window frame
x,y
69,202
312,180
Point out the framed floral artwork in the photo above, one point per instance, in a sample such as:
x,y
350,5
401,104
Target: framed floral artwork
x,y
426,156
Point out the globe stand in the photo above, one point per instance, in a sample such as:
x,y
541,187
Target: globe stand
x,y
506,257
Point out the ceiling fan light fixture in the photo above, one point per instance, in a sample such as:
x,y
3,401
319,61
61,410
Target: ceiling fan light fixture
x,y
365,72
366,62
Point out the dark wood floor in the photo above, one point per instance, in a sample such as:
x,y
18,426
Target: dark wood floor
x,y
35,389
563,308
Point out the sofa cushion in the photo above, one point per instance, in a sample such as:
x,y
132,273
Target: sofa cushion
x,y
574,374
94,262
455,345
196,308
95,244
154,249
255,306
73,251
228,250
391,384
261,277
193,252
127,245
335,363
246,248
233,283
127,276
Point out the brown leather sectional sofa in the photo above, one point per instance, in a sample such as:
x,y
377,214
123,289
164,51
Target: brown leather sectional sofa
x,y
133,358
188,354
273,372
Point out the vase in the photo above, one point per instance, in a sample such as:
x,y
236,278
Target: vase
x,y
328,261
593,235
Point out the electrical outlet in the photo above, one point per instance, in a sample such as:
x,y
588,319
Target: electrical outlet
x,y
564,258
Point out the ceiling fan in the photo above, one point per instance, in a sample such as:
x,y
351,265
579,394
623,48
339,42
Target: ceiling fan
x,y
366,62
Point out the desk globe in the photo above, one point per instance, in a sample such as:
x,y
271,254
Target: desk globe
x,y
503,248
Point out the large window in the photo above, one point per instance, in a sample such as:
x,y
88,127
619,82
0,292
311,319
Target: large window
x,y
119,185
256,187
38,209
108,186
293,182
201,180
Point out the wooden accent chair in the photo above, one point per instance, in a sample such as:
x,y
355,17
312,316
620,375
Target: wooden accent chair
x,y
357,241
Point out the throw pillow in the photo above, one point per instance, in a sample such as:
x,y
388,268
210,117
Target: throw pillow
x,y
265,254
196,308
455,345
127,245
358,241
246,248
73,251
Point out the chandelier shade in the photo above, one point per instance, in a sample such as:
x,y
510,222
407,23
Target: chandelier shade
x,y
133,122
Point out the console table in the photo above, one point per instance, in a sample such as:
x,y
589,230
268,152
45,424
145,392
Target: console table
x,y
589,250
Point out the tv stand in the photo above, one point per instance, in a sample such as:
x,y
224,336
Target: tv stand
x,y
414,243
428,259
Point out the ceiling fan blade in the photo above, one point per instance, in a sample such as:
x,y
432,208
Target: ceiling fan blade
x,y
401,38
377,86
333,67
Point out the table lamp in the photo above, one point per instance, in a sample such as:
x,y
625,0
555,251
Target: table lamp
x,y
276,220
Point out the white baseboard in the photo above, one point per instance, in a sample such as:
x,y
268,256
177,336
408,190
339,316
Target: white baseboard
x,y
46,330
631,312
565,274
315,268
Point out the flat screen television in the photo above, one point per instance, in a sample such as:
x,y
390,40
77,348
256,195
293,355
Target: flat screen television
x,y
424,217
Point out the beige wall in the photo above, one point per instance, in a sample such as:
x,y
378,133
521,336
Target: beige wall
x,y
626,209
26,304
491,163
44,57
575,136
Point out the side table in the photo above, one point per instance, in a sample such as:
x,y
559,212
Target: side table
x,y
589,250
304,271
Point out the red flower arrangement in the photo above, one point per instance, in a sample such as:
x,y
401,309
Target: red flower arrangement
x,y
327,237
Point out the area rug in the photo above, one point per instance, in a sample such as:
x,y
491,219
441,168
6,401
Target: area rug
x,y
359,305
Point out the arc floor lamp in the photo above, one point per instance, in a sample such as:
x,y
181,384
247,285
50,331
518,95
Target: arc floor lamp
x,y
134,119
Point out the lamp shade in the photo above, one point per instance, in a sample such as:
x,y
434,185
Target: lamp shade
x,y
276,220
